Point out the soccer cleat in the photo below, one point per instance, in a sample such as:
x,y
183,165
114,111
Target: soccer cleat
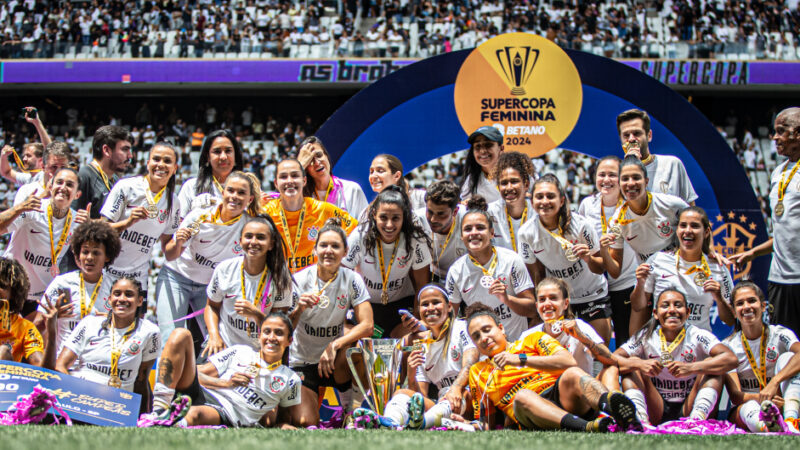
x,y
178,409
623,411
600,425
794,424
770,416
416,412
367,418
457,426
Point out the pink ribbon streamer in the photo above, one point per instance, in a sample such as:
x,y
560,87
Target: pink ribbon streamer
x,y
688,426
190,316
33,408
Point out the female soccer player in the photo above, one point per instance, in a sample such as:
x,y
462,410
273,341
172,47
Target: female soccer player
x,y
238,387
41,232
21,341
769,363
327,291
79,293
493,275
345,194
117,349
513,174
674,368
392,254
443,220
599,209
205,238
386,170
143,210
565,245
245,288
534,381
705,282
299,218
220,155
486,145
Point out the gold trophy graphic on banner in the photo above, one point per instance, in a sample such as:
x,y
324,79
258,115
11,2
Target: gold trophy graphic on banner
x,y
517,68
382,358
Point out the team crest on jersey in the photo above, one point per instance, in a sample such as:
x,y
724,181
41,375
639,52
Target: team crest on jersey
x,y
664,229
237,247
402,262
688,355
277,384
312,233
162,215
455,353
341,301
135,347
772,354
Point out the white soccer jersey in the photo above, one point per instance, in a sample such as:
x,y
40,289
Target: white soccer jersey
x,y
92,344
582,355
189,201
350,199
24,178
667,175
225,287
785,265
699,303
779,341
696,346
502,234
442,365
536,244
655,230
486,189
212,245
71,282
463,285
442,257
590,209
246,405
399,284
27,189
320,326
417,199
138,239
30,245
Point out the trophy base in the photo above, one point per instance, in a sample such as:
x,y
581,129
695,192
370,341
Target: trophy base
x,y
517,91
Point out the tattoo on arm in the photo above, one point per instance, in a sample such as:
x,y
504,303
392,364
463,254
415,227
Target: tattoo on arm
x,y
463,375
165,369
591,390
602,354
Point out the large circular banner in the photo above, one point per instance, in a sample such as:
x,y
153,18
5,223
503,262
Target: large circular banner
x,y
524,85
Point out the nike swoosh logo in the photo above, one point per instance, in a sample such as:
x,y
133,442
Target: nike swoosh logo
x,y
230,295
36,232
632,237
535,252
204,242
594,313
467,289
667,276
367,261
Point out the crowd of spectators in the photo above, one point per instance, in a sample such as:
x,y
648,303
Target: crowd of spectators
x,y
727,29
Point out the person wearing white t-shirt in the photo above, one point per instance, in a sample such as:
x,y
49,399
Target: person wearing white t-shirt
x,y
666,174
599,209
245,288
57,155
327,291
345,194
29,164
443,223
513,174
220,155
769,365
486,144
494,276
706,283
117,349
237,387
675,366
205,238
386,170
42,230
564,245
391,252
144,210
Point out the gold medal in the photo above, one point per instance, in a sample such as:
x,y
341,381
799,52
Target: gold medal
x,y
114,381
152,210
615,230
324,301
253,369
666,358
569,253
779,209
700,278
667,349
194,228
486,281
782,185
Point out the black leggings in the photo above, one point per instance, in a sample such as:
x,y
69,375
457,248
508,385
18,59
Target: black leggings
x,y
621,314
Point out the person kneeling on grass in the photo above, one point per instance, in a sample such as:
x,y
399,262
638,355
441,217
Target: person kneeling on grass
x,y
536,383
238,387
675,366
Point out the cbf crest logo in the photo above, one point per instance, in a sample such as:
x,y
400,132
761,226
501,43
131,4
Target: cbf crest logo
x,y
519,67
734,233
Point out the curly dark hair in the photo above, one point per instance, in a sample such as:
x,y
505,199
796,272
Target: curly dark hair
x,y
517,161
14,278
479,309
100,232
444,192
393,195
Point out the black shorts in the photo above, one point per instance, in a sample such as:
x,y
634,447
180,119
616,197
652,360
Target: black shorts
x,y
387,317
551,394
785,301
310,375
621,314
672,411
200,397
593,310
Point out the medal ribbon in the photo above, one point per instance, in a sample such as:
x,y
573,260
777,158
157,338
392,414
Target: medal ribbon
x,y
565,244
327,283
511,226
678,339
759,371
292,245
620,217
84,308
55,250
21,165
217,185
702,267
148,193
328,191
446,241
492,263
385,273
96,166
115,351
216,218
784,183
603,221
259,289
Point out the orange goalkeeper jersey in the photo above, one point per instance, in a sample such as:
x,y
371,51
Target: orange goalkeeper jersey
x,y
23,338
498,387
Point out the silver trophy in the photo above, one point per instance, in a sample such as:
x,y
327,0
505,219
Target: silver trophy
x,y
382,359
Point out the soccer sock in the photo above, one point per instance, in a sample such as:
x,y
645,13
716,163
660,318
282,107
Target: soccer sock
x,y
433,416
704,403
748,412
637,397
791,396
573,423
182,423
162,396
397,409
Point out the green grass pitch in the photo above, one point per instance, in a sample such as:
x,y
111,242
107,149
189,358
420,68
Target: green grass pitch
x,y
85,438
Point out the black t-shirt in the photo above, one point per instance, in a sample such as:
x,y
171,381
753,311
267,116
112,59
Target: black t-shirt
x,y
92,190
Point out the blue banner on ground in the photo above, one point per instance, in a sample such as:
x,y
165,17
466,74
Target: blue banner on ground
x,y
82,400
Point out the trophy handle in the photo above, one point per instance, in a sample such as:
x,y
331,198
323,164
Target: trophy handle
x,y
349,357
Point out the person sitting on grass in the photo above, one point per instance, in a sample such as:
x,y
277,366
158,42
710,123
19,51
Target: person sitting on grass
x,y
237,387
